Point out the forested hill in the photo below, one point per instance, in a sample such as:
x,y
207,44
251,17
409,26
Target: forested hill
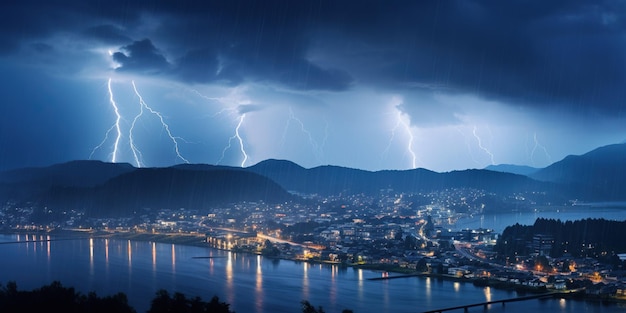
x,y
582,238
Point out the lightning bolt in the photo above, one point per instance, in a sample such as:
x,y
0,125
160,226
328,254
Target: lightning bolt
x,y
317,149
115,126
392,137
402,123
237,136
106,137
467,144
243,151
480,145
131,140
538,145
409,146
173,138
118,117
206,97
325,139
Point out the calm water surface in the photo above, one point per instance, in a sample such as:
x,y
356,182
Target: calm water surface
x,y
498,222
249,283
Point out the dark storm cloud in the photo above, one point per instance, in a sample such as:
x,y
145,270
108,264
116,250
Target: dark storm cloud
x,y
531,53
198,66
538,53
141,56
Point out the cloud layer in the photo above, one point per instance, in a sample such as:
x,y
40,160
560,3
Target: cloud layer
x,y
561,53
451,64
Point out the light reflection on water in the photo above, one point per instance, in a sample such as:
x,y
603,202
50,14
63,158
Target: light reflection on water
x,y
154,256
305,280
259,284
249,283
229,278
487,292
173,258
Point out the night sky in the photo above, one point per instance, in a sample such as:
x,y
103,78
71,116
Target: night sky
x,y
442,85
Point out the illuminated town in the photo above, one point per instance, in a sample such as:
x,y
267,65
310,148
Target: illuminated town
x,y
396,234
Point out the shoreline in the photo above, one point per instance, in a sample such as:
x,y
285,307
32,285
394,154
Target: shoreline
x,y
197,240
65,234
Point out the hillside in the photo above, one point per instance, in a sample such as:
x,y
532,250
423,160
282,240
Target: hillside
x,y
80,173
106,188
597,175
334,180
154,188
513,169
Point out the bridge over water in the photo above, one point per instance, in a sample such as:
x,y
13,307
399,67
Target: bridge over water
x,y
503,301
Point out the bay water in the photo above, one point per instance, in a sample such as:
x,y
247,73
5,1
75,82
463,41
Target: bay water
x,y
249,283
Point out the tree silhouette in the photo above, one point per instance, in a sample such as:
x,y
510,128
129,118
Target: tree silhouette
x,y
582,238
55,297
179,303
307,307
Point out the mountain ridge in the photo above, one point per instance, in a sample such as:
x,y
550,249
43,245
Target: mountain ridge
x,y
512,168
597,175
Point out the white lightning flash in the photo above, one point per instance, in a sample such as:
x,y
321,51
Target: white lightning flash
x,y
237,136
325,139
317,149
401,122
480,145
409,146
163,123
392,137
243,151
467,144
115,126
232,100
136,153
206,97
106,137
539,146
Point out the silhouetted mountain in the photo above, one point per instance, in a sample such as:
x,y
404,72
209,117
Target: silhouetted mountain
x,y
204,167
71,174
599,174
513,169
334,180
167,188
108,188
27,184
289,175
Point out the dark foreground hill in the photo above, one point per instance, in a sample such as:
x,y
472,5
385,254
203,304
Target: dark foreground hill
x,y
80,173
144,188
169,188
110,188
